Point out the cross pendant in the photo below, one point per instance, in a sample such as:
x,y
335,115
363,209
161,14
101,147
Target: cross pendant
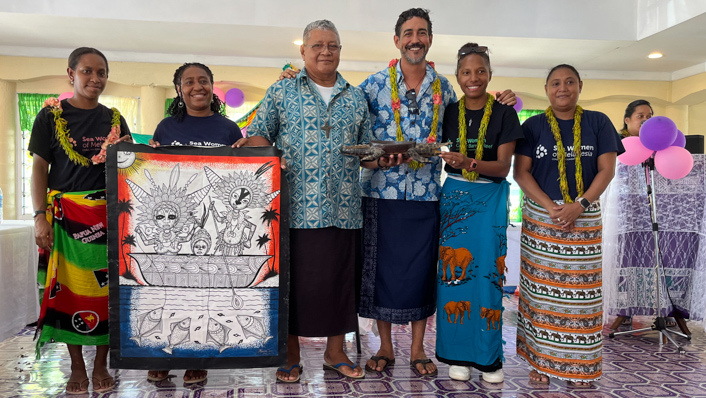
x,y
327,128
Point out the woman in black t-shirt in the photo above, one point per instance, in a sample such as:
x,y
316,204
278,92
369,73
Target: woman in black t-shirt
x,y
70,216
474,217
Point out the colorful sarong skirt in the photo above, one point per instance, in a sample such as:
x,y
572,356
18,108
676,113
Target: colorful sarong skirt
x,y
75,301
560,314
472,249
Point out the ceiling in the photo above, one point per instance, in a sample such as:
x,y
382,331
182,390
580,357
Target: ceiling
x,y
604,39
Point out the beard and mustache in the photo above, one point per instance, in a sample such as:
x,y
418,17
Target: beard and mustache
x,y
404,51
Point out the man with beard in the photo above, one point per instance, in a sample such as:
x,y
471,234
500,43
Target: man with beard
x,y
400,198
400,203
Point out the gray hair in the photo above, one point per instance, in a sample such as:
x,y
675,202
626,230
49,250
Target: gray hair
x,y
321,24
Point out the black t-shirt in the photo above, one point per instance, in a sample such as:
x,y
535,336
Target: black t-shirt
x,y
214,130
88,129
503,127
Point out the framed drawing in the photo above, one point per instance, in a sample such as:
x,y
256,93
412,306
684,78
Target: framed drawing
x,y
198,257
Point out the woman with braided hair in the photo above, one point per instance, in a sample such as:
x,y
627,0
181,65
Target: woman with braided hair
x,y
565,162
195,119
195,114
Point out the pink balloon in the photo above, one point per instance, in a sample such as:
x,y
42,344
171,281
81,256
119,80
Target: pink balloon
x,y
635,152
680,141
674,162
235,97
66,95
219,93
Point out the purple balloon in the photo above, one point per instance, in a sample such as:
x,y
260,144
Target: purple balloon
x,y
235,97
518,105
680,141
658,133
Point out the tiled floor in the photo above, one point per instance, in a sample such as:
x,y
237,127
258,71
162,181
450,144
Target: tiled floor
x,y
633,366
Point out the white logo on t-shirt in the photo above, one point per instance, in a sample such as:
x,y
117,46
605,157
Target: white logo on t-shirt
x,y
541,151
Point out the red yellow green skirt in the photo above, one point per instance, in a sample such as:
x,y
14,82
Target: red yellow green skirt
x,y
75,272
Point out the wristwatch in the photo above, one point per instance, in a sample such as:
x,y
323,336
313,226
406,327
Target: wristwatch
x,y
583,202
39,212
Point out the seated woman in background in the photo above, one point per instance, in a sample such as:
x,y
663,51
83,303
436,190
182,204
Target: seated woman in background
x,y
195,120
560,317
636,113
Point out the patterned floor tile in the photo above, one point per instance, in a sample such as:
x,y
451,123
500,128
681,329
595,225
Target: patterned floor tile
x,y
635,366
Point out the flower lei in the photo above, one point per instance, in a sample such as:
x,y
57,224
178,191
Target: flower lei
x,y
397,104
473,175
561,153
62,134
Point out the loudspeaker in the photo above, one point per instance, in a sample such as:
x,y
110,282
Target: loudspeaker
x,y
695,143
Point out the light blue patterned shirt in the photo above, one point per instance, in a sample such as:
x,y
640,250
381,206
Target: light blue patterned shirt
x,y
402,182
324,190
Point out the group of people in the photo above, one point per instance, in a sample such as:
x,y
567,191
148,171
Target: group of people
x,y
423,247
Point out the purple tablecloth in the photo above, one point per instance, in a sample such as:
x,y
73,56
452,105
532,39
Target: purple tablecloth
x,y
629,278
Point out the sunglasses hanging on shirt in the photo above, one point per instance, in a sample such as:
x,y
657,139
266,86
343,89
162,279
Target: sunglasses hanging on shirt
x,y
412,107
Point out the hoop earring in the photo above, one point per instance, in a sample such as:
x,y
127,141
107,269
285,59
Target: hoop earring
x,y
181,103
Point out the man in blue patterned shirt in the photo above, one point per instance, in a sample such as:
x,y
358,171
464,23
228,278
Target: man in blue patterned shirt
x,y
400,204
310,118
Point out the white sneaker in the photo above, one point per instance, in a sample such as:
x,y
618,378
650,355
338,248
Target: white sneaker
x,y
461,373
494,377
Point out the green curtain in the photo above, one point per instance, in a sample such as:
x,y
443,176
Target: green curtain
x,y
528,113
29,106
167,104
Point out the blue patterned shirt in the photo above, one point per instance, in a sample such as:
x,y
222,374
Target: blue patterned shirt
x,y
324,190
402,182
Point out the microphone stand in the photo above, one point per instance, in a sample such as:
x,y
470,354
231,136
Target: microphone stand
x,y
660,322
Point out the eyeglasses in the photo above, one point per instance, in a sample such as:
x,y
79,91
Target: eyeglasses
x,y
412,107
319,48
474,50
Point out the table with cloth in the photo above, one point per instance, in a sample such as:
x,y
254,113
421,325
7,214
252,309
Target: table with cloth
x,y
629,282
19,302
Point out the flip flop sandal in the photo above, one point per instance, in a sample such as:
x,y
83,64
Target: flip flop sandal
x,y
289,372
377,359
159,378
540,375
80,384
100,381
197,380
423,362
336,369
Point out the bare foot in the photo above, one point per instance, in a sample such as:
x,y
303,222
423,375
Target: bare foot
x,y
536,377
195,376
102,380
338,357
381,364
78,383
